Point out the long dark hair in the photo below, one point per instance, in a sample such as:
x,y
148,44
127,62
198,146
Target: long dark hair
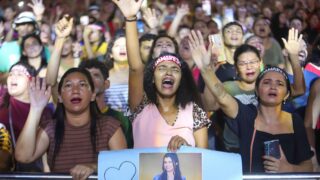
x,y
60,114
187,91
24,58
176,166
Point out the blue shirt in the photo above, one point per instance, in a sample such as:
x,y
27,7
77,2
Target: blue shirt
x,y
10,53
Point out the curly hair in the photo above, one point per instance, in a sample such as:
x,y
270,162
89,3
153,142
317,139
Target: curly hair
x,y
187,90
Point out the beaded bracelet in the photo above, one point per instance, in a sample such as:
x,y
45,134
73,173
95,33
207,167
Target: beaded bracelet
x,y
132,20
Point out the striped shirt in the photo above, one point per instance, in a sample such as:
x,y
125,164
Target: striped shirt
x,y
76,147
116,97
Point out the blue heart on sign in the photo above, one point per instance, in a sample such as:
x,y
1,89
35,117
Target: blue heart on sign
x,y
126,171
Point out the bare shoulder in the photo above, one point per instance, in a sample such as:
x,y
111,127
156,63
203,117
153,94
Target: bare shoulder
x,y
287,122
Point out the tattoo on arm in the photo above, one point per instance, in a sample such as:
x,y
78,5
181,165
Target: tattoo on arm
x,y
220,92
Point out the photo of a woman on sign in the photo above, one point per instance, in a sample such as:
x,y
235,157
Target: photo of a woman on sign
x,y
171,168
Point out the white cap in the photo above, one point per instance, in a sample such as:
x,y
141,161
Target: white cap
x,y
25,17
2,126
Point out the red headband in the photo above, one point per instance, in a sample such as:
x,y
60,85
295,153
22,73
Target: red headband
x,y
167,58
22,69
97,27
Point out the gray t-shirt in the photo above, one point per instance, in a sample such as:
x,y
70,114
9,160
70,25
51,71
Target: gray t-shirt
x,y
230,139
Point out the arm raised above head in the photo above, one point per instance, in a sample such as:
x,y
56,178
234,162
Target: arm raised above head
x,y
202,57
63,29
34,141
130,9
293,46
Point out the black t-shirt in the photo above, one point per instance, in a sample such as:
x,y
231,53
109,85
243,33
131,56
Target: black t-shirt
x,y
294,145
225,72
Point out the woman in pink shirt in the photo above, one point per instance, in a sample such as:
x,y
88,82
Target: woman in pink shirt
x,y
162,96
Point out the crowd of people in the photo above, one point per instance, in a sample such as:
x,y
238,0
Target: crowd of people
x,y
82,76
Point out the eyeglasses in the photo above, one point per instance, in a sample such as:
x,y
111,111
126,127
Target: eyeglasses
x,y
243,64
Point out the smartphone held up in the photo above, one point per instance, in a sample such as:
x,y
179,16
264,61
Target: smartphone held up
x,y
218,47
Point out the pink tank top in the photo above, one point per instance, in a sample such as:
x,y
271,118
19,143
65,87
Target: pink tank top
x,y
150,129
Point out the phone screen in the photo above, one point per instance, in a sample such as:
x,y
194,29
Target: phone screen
x,y
84,20
206,6
140,26
271,148
218,46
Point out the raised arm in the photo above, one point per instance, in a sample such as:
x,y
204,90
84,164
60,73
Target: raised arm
x,y
150,17
34,141
201,56
293,45
129,9
63,29
209,101
86,33
181,12
38,9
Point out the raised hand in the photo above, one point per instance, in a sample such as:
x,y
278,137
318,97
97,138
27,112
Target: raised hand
x,y
37,7
200,54
39,94
82,171
183,10
293,44
129,8
63,27
176,142
150,16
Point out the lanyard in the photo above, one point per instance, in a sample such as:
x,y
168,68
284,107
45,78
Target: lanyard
x,y
11,127
251,148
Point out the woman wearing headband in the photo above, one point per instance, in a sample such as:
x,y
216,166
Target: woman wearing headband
x,y
15,108
162,96
255,125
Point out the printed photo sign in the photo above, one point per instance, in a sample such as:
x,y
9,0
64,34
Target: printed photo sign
x,y
153,163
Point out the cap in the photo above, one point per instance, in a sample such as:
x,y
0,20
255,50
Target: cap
x,y
25,17
94,7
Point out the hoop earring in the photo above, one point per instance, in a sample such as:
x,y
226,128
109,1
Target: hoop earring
x,y
284,101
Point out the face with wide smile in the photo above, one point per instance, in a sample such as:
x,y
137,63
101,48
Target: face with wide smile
x,y
233,36
248,67
167,76
76,93
168,164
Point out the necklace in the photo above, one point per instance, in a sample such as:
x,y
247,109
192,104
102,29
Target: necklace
x,y
175,120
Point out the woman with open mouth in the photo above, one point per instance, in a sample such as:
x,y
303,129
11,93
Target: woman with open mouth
x,y
77,133
15,108
163,97
255,125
